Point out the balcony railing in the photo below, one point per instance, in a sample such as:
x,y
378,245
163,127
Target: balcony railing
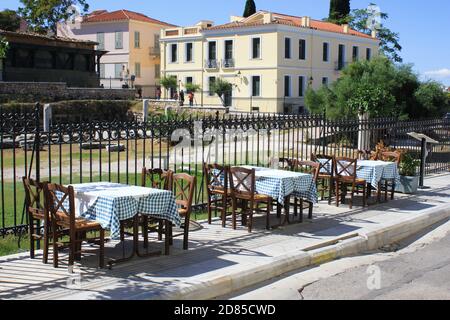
x,y
228,63
211,64
339,65
155,51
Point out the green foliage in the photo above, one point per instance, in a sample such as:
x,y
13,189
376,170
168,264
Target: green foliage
x,y
9,20
191,87
221,87
43,15
389,40
4,45
409,165
380,88
432,99
322,100
250,8
339,11
169,82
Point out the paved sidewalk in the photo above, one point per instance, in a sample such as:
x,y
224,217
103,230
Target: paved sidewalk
x,y
223,260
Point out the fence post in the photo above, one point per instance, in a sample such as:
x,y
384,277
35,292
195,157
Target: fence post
x,y
324,135
363,132
145,105
47,117
423,157
37,141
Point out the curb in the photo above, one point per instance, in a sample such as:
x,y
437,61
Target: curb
x,y
341,247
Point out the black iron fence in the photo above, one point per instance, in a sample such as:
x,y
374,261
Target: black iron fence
x,y
70,153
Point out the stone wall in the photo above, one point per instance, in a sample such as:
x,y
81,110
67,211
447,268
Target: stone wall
x,y
57,91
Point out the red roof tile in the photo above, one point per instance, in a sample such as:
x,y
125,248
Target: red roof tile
x,y
295,21
105,16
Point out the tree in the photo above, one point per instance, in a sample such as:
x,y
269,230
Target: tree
x,y
191,87
339,11
381,88
250,8
169,82
389,40
43,15
9,20
432,99
221,87
3,47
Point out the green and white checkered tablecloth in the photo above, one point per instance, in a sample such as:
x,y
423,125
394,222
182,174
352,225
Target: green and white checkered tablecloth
x,y
110,203
280,183
375,170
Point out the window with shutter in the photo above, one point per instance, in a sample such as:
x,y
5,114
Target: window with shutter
x,y
119,40
302,49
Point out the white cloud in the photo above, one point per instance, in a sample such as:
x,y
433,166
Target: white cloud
x,y
441,73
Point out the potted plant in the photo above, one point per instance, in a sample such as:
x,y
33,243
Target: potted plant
x,y
409,180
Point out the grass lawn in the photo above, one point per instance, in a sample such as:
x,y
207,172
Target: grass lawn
x,y
56,153
9,245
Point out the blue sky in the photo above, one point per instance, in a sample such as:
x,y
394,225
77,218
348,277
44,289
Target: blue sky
x,y
424,26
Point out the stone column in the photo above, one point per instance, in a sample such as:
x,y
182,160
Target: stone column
x,y
145,106
47,116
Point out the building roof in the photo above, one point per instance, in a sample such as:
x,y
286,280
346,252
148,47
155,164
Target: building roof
x,y
295,21
121,15
38,36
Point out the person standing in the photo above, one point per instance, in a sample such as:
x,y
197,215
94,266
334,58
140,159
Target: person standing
x,y
158,93
181,97
191,98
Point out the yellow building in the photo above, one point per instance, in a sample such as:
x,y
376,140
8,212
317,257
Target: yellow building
x,y
132,42
269,58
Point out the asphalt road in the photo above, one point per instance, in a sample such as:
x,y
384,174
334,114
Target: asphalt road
x,y
417,268
423,274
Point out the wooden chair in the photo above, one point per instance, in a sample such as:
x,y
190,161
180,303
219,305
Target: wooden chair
x,y
243,189
388,156
345,174
217,188
312,168
37,214
183,188
364,154
58,198
325,176
157,179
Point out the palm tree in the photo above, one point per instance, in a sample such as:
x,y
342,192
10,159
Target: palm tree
x,y
221,87
169,82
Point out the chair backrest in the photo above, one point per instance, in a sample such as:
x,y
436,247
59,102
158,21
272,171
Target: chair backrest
x,y
287,163
364,154
326,163
310,167
345,167
157,178
243,181
216,177
391,156
183,189
33,191
60,202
